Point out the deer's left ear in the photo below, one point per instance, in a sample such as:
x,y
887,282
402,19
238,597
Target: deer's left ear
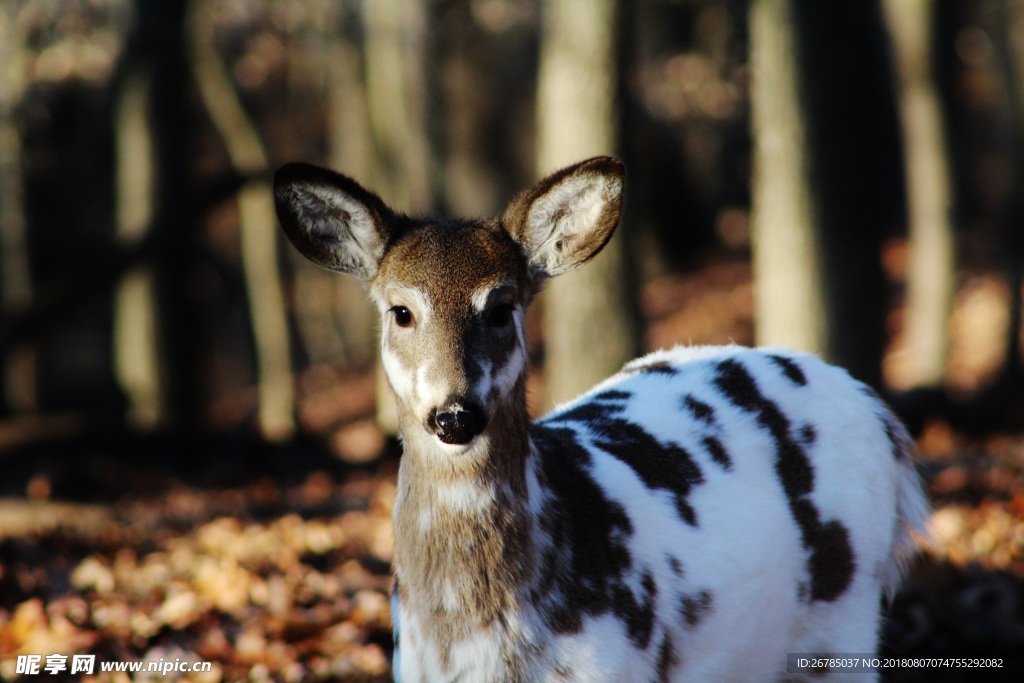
x,y
568,217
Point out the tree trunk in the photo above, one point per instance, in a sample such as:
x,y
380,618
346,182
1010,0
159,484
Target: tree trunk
x,y
789,302
823,189
161,42
589,326
1009,42
17,371
395,59
350,150
258,232
136,351
931,276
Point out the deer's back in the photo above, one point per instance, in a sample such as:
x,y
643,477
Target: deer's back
x,y
708,510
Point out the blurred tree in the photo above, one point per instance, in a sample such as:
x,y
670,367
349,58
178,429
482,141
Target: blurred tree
x,y
17,366
350,150
823,123
334,320
931,276
136,337
257,225
396,63
396,60
1009,44
789,307
486,69
161,41
589,327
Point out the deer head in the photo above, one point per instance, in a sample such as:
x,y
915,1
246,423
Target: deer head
x,y
452,292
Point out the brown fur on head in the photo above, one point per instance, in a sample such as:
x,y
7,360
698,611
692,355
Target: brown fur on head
x,y
452,293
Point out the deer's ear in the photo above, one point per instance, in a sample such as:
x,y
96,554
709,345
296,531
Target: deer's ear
x,y
331,219
568,216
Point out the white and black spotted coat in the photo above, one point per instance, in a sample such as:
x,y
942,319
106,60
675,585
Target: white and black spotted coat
x,y
697,516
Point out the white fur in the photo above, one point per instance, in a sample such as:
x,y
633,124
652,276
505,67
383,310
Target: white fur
x,y
504,378
413,298
466,497
569,210
481,296
401,378
325,203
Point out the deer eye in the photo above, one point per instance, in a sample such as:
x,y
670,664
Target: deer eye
x,y
403,316
499,316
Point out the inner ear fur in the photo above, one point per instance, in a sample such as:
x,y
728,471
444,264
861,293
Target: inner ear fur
x,y
331,219
568,217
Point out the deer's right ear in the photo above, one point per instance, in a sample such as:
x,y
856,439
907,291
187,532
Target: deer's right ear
x,y
332,219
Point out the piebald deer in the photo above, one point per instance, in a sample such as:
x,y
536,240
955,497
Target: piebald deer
x,y
696,517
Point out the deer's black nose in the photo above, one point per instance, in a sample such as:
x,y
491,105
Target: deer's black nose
x,y
457,423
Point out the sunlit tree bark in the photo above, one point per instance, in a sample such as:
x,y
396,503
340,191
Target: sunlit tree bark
x,y
931,276
589,326
395,56
789,303
823,190
257,228
136,352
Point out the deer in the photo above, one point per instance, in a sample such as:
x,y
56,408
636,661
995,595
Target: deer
x,y
701,515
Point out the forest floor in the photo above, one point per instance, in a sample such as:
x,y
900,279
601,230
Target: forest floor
x,y
272,562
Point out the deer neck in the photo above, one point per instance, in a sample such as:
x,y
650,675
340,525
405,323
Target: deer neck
x,y
462,525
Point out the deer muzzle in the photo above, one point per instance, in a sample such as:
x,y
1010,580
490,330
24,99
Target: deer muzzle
x,y
457,423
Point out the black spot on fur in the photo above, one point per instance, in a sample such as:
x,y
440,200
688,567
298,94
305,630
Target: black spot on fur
x,y
660,367
586,413
894,431
675,564
669,468
790,369
694,607
896,435
667,659
808,435
831,563
394,596
583,569
717,452
613,395
666,467
638,614
590,412
700,410
869,392
791,464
